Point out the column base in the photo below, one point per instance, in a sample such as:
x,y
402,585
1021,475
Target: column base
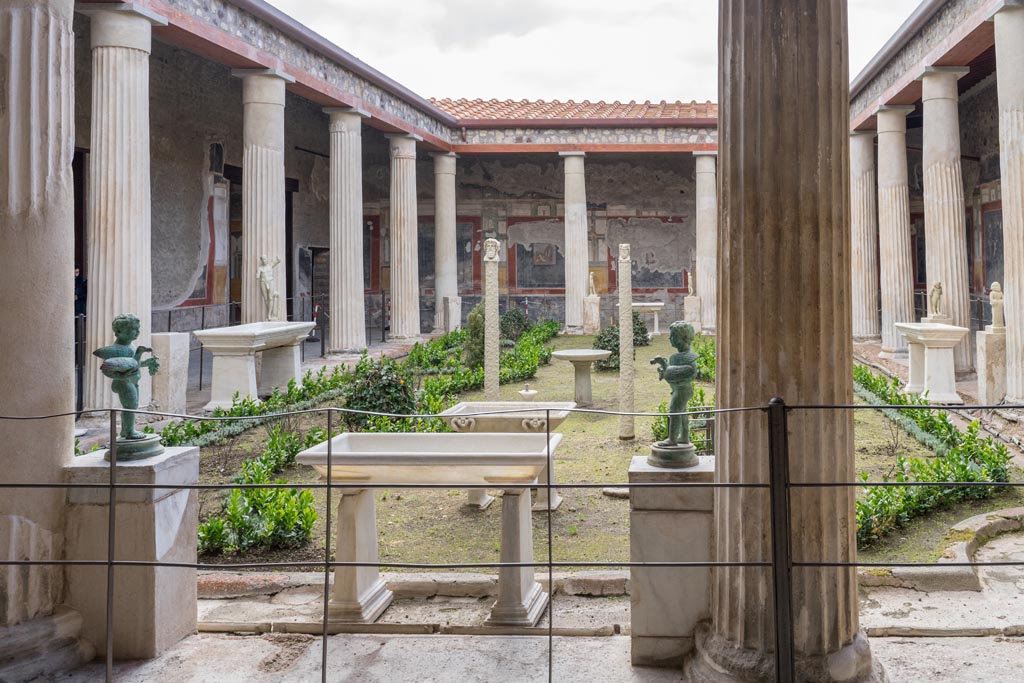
x,y
366,611
890,354
719,661
480,498
867,339
527,614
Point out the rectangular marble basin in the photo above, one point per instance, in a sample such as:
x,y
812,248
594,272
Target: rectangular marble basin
x,y
528,417
443,459
254,336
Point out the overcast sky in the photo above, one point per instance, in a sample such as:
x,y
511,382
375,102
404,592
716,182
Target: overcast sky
x,y
554,49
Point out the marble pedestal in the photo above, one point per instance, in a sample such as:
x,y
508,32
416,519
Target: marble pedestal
x,y
692,311
359,594
582,360
591,314
521,599
991,365
452,313
668,525
154,607
170,385
932,373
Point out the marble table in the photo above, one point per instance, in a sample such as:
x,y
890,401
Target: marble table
x,y
654,307
511,417
582,360
932,371
356,459
234,352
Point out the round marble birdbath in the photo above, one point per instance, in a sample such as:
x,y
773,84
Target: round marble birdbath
x,y
582,360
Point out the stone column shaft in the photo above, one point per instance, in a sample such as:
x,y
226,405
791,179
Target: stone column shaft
x,y
895,263
784,244
263,189
1009,25
627,370
577,259
446,263
347,307
36,309
864,228
944,212
492,322
707,238
405,268
119,270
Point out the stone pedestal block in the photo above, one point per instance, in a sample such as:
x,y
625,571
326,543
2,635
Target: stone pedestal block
x,y
991,365
170,385
692,311
154,607
452,313
521,599
591,314
669,525
359,594
278,367
933,344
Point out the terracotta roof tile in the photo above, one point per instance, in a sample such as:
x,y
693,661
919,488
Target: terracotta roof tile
x,y
555,109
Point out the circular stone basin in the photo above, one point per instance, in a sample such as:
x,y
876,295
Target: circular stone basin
x,y
580,355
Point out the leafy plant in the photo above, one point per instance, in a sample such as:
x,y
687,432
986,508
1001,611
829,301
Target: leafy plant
x,y
513,323
378,386
473,344
608,340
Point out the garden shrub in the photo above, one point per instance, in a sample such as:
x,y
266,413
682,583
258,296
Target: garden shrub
x,y
473,345
378,386
704,347
608,340
513,323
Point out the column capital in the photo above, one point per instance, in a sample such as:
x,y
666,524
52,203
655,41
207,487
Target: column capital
x,y
444,162
862,133
444,155
1003,6
957,71
572,154
126,9
404,136
267,72
361,113
905,108
705,154
127,26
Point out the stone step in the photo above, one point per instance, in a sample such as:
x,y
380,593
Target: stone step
x,y
42,647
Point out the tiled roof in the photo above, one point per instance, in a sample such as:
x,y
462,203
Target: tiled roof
x,y
569,110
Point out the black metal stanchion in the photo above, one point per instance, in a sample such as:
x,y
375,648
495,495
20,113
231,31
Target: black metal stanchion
x,y
782,551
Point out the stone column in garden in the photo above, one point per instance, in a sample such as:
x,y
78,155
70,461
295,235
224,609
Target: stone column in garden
x,y
576,252
707,238
119,270
347,308
446,263
944,212
894,258
784,330
864,226
404,226
492,329
263,194
627,426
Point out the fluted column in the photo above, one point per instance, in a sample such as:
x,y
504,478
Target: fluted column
x,y
707,238
36,311
944,211
405,268
347,309
446,263
864,229
119,270
895,262
784,329
263,193
577,259
1009,25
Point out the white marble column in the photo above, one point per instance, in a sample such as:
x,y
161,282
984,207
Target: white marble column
x,y
1009,25
263,191
492,322
944,212
36,310
894,255
404,226
347,308
864,228
627,363
577,253
119,270
784,330
707,238
446,263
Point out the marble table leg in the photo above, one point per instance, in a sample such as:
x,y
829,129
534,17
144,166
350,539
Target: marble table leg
x,y
232,373
280,365
545,502
521,599
480,498
915,385
359,595
940,376
584,392
657,330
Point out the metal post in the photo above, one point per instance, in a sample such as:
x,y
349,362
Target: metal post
x,y
782,552
111,524
327,550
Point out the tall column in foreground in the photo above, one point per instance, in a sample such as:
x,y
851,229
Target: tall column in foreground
x,y
347,313
1009,24
263,195
944,212
577,258
707,238
894,258
446,263
405,267
37,126
864,227
784,329
120,274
